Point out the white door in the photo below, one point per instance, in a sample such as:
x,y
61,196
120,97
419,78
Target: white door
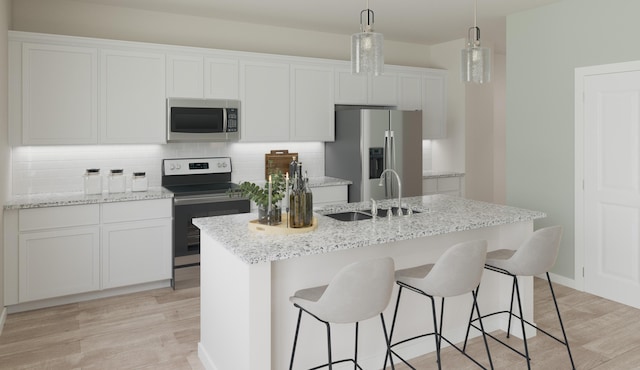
x,y
611,231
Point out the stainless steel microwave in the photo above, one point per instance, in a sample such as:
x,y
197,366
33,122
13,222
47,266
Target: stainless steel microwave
x,y
191,119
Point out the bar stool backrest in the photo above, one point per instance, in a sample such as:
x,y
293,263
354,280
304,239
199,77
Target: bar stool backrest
x,y
457,271
358,292
538,254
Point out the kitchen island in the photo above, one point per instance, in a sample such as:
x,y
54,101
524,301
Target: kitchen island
x,y
247,321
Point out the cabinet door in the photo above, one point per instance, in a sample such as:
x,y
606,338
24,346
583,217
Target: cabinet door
x,y
132,97
434,106
185,76
265,101
136,252
58,262
350,88
59,94
410,91
221,78
312,108
384,89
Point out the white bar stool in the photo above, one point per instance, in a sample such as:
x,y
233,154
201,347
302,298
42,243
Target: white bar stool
x,y
458,271
357,292
535,257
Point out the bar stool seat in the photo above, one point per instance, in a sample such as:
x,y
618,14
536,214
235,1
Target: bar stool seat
x,y
458,271
535,257
357,292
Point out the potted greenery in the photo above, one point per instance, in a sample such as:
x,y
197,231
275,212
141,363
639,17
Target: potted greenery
x,y
260,196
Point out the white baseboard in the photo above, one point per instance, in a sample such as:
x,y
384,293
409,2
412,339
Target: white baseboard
x,y
562,280
34,305
3,318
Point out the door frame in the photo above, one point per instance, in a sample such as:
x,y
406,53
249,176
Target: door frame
x,y
580,74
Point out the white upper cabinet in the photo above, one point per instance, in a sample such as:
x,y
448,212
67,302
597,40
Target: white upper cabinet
x,y
221,78
384,89
59,94
69,90
410,91
312,103
264,94
352,89
434,105
185,76
132,108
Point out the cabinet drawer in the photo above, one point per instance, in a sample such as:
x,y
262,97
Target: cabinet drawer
x,y
137,210
55,217
429,186
448,183
329,195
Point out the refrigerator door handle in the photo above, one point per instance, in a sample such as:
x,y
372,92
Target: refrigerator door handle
x,y
392,163
387,161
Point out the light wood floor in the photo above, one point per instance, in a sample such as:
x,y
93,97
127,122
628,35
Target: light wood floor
x,y
160,330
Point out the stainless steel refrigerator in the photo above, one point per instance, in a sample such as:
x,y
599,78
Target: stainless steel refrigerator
x,y
368,141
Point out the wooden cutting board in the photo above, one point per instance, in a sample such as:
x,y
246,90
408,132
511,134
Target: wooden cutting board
x,y
278,160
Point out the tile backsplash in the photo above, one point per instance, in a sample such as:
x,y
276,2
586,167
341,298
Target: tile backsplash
x,y
60,169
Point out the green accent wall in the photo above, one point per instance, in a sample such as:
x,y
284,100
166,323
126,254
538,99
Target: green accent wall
x,y
544,46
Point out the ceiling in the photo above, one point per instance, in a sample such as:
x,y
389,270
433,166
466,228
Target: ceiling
x,y
414,21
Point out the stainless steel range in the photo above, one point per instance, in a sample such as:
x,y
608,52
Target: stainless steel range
x,y
200,190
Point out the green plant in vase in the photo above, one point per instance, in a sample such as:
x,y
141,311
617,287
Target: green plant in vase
x,y
260,196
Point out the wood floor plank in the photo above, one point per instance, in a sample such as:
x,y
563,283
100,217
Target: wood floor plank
x,y
160,329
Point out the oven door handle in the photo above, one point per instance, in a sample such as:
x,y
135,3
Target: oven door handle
x,y
198,199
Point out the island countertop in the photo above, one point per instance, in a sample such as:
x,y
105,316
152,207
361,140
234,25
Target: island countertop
x,y
439,214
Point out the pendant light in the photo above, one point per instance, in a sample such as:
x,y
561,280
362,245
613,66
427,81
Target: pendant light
x,y
366,47
476,60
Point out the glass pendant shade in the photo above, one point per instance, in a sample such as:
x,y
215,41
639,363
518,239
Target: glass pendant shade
x,y
366,53
476,64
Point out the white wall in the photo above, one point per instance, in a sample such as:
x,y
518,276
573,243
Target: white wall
x,y
68,17
475,126
5,11
544,46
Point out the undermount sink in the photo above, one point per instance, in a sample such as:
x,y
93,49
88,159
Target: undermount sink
x,y
350,216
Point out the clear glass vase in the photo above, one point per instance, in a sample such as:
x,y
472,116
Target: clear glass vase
x,y
273,218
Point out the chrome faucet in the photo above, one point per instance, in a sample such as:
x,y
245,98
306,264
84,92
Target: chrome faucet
x,y
399,187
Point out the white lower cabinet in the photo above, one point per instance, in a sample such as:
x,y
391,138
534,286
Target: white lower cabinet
x,y
326,195
53,252
136,252
451,185
58,262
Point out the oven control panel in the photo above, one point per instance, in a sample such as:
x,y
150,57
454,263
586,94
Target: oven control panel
x,y
194,166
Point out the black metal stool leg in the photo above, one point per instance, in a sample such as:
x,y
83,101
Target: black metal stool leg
x,y
388,343
329,345
484,336
295,339
355,355
566,341
393,325
524,334
513,290
435,329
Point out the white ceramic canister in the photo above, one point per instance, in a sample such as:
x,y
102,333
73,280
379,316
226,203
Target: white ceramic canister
x,y
139,182
116,181
92,181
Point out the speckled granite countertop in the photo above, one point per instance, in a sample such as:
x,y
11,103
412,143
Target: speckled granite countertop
x,y
440,214
436,174
79,198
